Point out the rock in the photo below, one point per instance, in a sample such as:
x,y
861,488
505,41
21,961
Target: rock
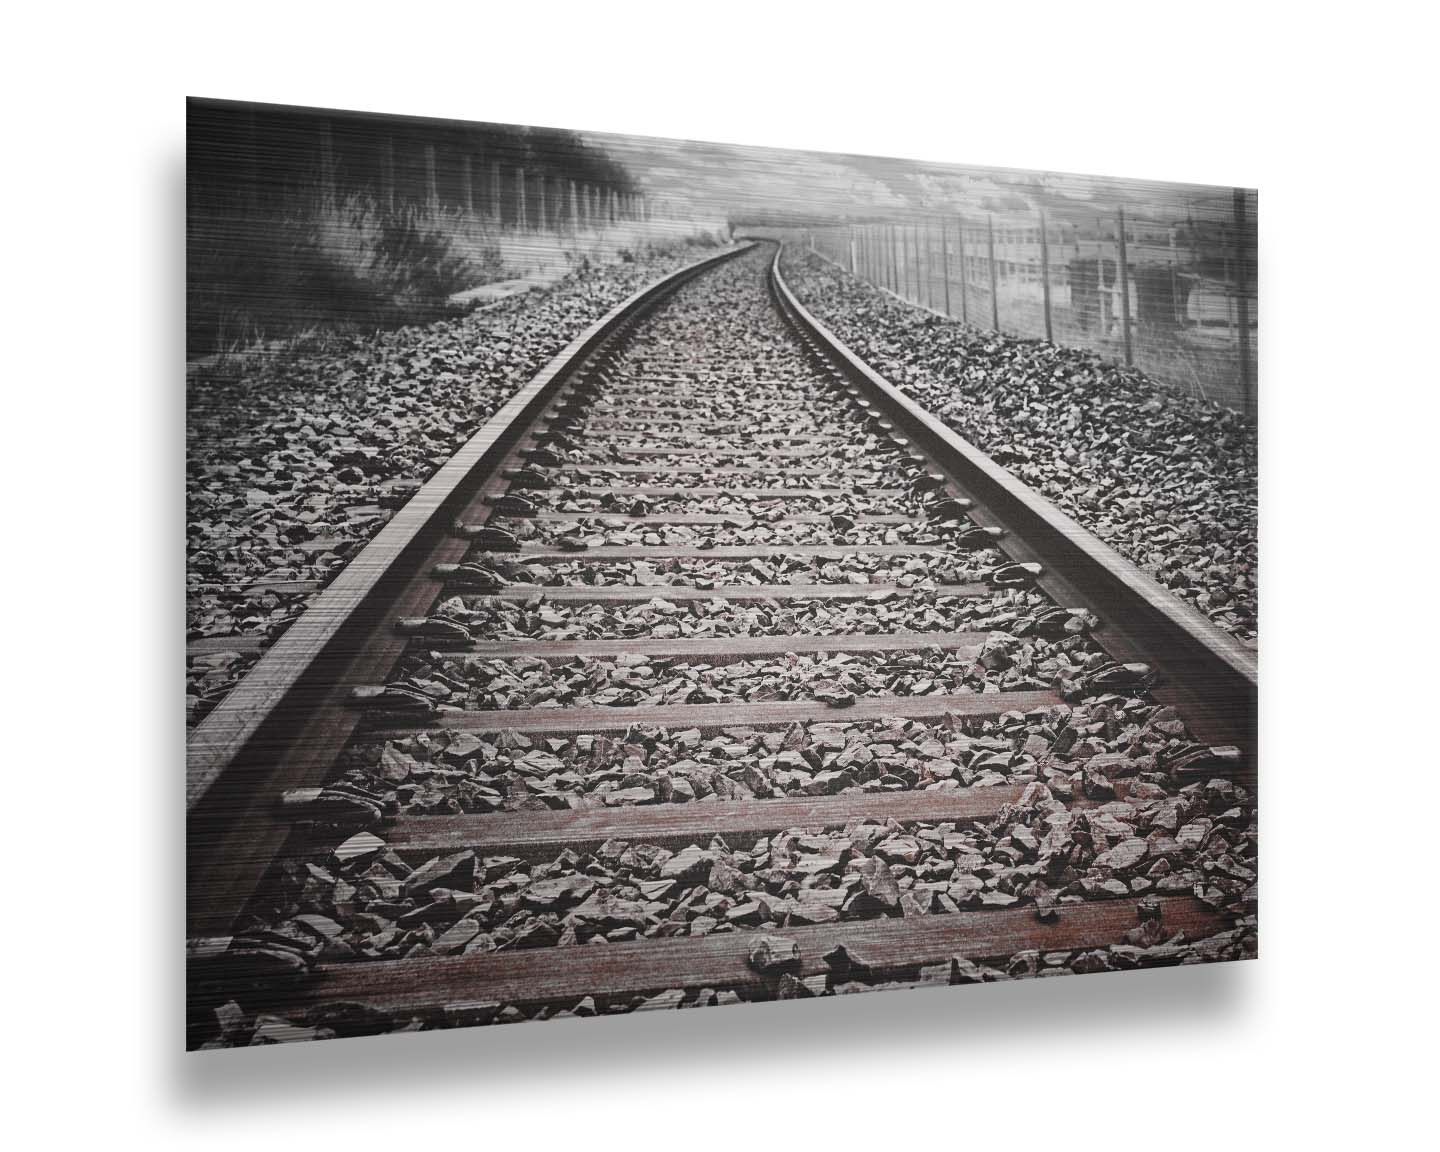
x,y
689,865
748,914
965,889
1090,962
1124,855
665,1001
1192,835
456,937
606,912
463,746
803,911
279,1030
846,963
725,877
878,894
536,934
656,890
899,850
1147,934
457,871
557,892
791,987
396,765
359,848
636,795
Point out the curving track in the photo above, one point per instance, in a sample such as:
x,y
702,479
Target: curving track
x,y
712,670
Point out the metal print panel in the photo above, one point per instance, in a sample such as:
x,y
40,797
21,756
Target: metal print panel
x,y
630,574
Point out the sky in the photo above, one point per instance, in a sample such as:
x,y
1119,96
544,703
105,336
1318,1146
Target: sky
x,y
739,179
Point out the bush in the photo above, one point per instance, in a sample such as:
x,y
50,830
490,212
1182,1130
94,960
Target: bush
x,y
267,273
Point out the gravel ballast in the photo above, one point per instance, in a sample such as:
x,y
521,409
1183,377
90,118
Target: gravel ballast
x,y
435,772
1107,797
1167,480
294,466
661,619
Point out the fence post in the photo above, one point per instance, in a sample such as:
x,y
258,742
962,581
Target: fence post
x,y
522,218
574,211
894,284
994,289
964,277
1124,292
1045,274
922,269
469,186
912,274
905,270
915,259
387,173
852,250
432,192
945,262
541,193
923,291
495,192
1242,301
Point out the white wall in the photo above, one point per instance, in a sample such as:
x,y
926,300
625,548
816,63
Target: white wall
x,y
1326,1038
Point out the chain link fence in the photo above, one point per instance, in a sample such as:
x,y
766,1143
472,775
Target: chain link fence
x,y
1172,293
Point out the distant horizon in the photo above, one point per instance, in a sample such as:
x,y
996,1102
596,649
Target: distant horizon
x,y
742,178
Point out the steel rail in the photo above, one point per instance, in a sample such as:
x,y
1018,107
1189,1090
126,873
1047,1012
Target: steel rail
x,y
263,738
1207,674
279,732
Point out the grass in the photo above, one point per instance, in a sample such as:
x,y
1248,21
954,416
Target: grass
x,y
259,276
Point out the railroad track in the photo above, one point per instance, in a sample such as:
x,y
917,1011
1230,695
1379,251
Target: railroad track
x,y
713,669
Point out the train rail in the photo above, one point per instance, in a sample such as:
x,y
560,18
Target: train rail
x,y
713,649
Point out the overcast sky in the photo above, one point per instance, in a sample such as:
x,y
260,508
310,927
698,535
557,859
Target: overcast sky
x,y
735,178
